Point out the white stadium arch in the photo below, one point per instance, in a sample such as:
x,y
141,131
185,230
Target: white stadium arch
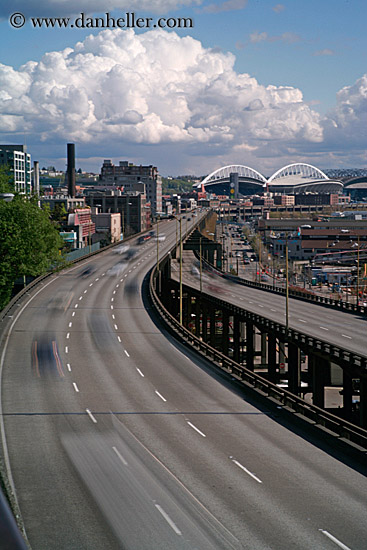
x,y
299,170
225,171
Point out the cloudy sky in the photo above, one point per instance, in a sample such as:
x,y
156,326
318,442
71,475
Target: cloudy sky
x,y
252,82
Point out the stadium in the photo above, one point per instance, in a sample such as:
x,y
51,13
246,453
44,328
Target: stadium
x,y
291,179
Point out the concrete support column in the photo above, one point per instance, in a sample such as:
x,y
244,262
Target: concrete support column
x,y
294,369
188,311
205,322
225,337
363,403
347,394
320,367
272,357
236,338
212,325
197,317
263,348
250,346
243,340
281,352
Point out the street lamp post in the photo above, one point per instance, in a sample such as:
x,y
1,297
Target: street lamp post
x,y
158,245
358,273
179,220
180,274
286,285
201,270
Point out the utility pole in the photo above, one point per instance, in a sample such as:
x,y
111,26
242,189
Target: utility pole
x,y
180,274
286,285
201,270
157,245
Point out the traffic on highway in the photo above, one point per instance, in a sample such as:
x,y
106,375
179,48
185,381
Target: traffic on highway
x,y
117,436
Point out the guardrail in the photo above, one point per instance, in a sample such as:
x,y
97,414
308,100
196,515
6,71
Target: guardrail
x,y
345,431
297,294
13,302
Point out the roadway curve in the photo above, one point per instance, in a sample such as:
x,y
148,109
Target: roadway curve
x,y
119,438
342,328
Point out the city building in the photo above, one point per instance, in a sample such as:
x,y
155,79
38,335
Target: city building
x,y
69,203
133,208
19,163
129,175
80,222
108,227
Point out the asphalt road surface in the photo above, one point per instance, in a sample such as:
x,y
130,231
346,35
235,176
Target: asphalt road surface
x,y
118,437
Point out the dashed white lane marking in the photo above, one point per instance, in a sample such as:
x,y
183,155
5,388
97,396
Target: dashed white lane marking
x,y
126,353
139,371
119,339
114,292
81,298
76,305
70,324
302,320
246,470
69,367
346,336
91,284
68,335
130,270
85,292
103,274
115,327
251,302
334,539
76,387
111,307
121,280
324,328
97,279
91,416
168,520
195,428
120,456
260,305
66,349
73,314
112,299
117,286
272,309
113,316
161,396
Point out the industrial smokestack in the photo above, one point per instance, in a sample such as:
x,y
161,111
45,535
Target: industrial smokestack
x,y
36,177
70,173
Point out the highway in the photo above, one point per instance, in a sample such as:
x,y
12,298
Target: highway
x,y
344,329
118,437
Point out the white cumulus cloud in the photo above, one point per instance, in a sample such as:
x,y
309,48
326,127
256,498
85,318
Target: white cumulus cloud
x,y
151,88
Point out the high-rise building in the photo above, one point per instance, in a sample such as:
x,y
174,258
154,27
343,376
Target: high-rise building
x,y
19,163
128,175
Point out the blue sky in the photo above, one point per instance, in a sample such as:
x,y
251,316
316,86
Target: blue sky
x,y
253,82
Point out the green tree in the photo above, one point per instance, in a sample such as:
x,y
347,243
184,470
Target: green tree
x,y
29,243
6,180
